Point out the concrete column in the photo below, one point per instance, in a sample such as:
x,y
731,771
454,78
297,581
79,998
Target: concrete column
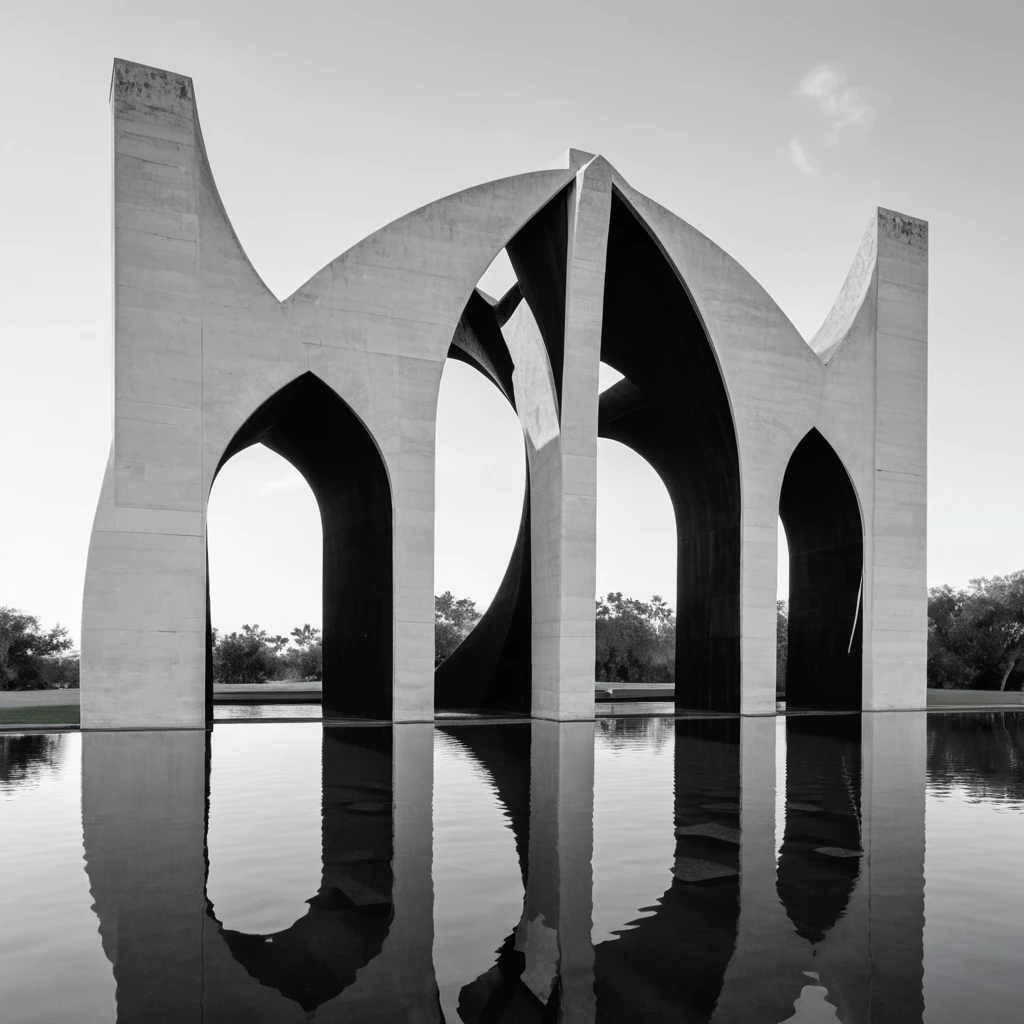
x,y
554,934
895,581
144,614
560,423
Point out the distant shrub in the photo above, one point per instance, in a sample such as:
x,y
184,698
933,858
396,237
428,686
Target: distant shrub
x,y
31,657
245,658
976,635
635,641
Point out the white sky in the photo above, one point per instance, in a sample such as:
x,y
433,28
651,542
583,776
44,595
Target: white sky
x,y
775,129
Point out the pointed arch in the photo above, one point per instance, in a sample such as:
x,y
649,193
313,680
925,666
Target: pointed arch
x,y
821,514
673,410
311,426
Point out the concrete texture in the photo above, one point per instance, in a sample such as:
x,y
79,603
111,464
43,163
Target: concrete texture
x,y
342,378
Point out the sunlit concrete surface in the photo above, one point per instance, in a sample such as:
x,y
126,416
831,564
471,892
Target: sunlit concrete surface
x,y
741,417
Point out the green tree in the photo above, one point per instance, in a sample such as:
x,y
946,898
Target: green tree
x,y
32,658
305,635
306,659
1003,598
454,618
976,635
635,640
247,657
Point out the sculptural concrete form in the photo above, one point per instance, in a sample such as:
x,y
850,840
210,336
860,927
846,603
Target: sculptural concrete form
x,y
739,415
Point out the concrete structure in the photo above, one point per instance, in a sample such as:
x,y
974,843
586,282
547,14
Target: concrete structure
x,y
741,417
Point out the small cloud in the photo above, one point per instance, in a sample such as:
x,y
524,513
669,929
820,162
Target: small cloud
x,y
799,157
286,483
847,107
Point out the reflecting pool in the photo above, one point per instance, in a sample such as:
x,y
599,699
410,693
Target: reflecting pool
x,y
803,868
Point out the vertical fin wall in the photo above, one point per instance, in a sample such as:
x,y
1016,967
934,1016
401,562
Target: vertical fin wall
x,y
560,423
897,585
144,619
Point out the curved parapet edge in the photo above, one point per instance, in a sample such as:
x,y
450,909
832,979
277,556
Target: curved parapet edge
x,y
838,324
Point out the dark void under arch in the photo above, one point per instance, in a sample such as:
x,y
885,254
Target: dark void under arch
x,y
672,410
312,427
820,512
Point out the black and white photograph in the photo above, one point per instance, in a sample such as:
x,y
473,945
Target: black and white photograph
x,y
511,513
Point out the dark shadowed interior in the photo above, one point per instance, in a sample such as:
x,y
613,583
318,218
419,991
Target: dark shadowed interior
x,y
673,411
539,253
308,424
819,510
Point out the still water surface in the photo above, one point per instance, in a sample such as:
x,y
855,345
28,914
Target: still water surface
x,y
809,869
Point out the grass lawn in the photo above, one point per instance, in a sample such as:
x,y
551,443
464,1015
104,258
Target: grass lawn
x,y
57,715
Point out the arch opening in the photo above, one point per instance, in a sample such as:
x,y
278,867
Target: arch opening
x,y
819,509
265,548
492,668
636,575
480,540
673,410
313,428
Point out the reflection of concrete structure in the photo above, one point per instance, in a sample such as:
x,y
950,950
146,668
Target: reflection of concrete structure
x,y
670,966
741,418
745,932
554,933
838,914
362,950
739,933
544,969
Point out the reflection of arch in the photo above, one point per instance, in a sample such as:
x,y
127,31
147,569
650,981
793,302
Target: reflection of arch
x,y
317,957
820,859
503,753
820,512
673,410
144,811
670,966
308,424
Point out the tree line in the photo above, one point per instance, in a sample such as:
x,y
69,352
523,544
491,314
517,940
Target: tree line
x,y
976,635
253,655
975,641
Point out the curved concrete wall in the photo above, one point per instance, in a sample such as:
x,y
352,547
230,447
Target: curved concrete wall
x,y
200,344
